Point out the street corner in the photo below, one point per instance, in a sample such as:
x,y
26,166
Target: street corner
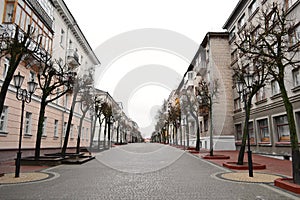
x,y
244,177
26,177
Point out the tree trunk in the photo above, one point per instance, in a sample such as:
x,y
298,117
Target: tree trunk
x,y
187,132
79,132
118,127
64,149
198,139
245,132
16,55
93,133
198,131
108,135
211,140
105,131
13,65
293,133
40,129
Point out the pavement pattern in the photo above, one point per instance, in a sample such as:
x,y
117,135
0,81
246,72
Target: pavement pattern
x,y
142,171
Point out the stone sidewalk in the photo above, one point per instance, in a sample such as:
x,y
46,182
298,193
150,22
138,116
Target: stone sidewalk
x,y
273,165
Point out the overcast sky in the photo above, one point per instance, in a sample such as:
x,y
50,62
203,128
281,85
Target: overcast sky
x,y
104,23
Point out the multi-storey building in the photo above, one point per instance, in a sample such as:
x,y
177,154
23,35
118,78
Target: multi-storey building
x,y
65,42
211,63
268,125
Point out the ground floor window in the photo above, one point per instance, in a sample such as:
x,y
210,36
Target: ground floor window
x,y
263,130
238,131
205,123
251,132
28,123
3,119
282,128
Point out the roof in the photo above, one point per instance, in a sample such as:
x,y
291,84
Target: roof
x,y
234,13
61,6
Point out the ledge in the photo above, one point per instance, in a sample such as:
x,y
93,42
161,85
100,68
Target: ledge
x,y
282,144
276,96
261,101
3,134
27,136
238,110
253,14
296,89
265,144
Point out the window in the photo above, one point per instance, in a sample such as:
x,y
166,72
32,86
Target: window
x,y
232,34
9,12
289,3
234,56
71,131
241,22
62,37
67,100
296,77
271,19
82,133
238,131
55,128
295,36
261,94
5,67
57,94
263,130
3,119
65,129
45,127
251,132
87,133
237,104
31,76
78,130
252,8
275,87
282,128
255,35
70,44
28,123
206,124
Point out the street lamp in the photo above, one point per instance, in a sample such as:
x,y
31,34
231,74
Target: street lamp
x,y
24,96
244,87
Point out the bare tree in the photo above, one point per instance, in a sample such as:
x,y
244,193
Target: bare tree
x,y
81,84
274,52
54,82
17,46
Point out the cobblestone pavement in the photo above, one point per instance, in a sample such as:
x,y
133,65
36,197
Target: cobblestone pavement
x,y
141,171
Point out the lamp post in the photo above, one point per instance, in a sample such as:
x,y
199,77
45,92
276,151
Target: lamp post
x,y
24,96
244,87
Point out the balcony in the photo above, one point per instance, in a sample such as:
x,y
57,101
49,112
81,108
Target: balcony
x,y
73,58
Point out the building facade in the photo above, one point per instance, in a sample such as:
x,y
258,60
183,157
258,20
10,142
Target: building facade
x,y
65,42
268,126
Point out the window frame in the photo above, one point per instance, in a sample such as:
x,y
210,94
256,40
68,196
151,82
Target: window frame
x,y
3,119
280,136
261,128
275,88
44,133
28,124
55,128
